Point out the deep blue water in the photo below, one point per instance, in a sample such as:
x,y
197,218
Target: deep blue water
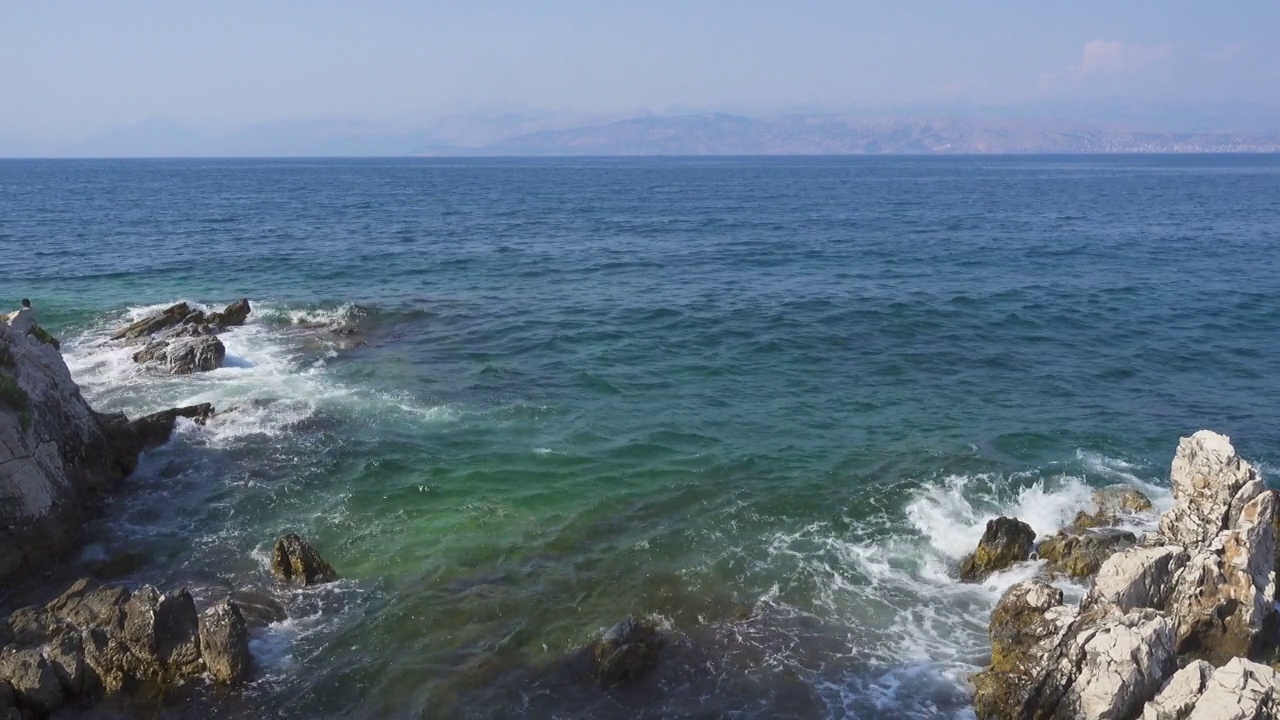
x,y
767,402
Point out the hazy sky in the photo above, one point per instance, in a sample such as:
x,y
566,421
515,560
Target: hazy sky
x,y
71,68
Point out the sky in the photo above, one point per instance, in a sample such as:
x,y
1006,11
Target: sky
x,y
69,70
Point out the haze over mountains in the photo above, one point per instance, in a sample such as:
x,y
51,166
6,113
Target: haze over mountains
x,y
1121,128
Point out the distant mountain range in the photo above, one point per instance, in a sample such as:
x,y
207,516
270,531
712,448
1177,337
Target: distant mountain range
x,y
720,134
542,133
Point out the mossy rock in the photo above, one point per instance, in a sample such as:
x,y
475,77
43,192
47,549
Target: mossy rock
x,y
11,395
1006,541
43,336
1080,554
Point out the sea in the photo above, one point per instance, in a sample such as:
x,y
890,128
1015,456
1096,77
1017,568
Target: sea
x,y
764,403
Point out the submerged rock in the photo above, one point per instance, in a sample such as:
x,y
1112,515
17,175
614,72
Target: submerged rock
x,y
1113,505
1006,541
1080,554
294,561
132,437
626,651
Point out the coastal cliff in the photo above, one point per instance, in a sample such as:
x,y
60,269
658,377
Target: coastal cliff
x,y
56,457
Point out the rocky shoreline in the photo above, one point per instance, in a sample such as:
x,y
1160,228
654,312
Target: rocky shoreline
x,y
59,459
94,640
1177,624
1180,624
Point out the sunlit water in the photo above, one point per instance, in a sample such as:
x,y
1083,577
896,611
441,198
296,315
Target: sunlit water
x,y
767,403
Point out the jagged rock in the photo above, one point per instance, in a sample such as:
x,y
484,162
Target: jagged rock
x,y
294,561
1140,577
34,681
1178,696
1006,541
184,355
235,313
163,631
1112,506
1081,554
1206,476
1122,663
1223,600
152,324
131,437
86,605
626,651
1065,665
55,459
224,642
1239,690
1028,616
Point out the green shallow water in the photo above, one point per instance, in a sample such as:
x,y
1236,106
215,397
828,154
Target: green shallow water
x,y
767,403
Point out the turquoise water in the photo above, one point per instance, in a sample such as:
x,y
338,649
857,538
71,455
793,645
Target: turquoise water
x,y
768,403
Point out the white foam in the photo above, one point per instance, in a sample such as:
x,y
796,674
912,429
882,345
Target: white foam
x,y
267,384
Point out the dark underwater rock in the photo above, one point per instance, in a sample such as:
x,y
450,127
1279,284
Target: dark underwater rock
x,y
626,651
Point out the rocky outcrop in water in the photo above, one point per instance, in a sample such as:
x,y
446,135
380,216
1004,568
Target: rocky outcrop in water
x,y
294,561
181,339
1005,542
1201,589
184,355
95,641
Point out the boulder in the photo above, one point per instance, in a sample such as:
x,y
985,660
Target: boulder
x,y
1006,541
163,632
1206,475
1120,664
1140,577
1063,665
1223,600
294,561
1080,554
626,651
235,314
152,324
1178,696
184,355
1239,690
1028,617
224,642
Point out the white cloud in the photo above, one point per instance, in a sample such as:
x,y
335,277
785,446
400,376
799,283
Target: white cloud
x,y
1112,57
